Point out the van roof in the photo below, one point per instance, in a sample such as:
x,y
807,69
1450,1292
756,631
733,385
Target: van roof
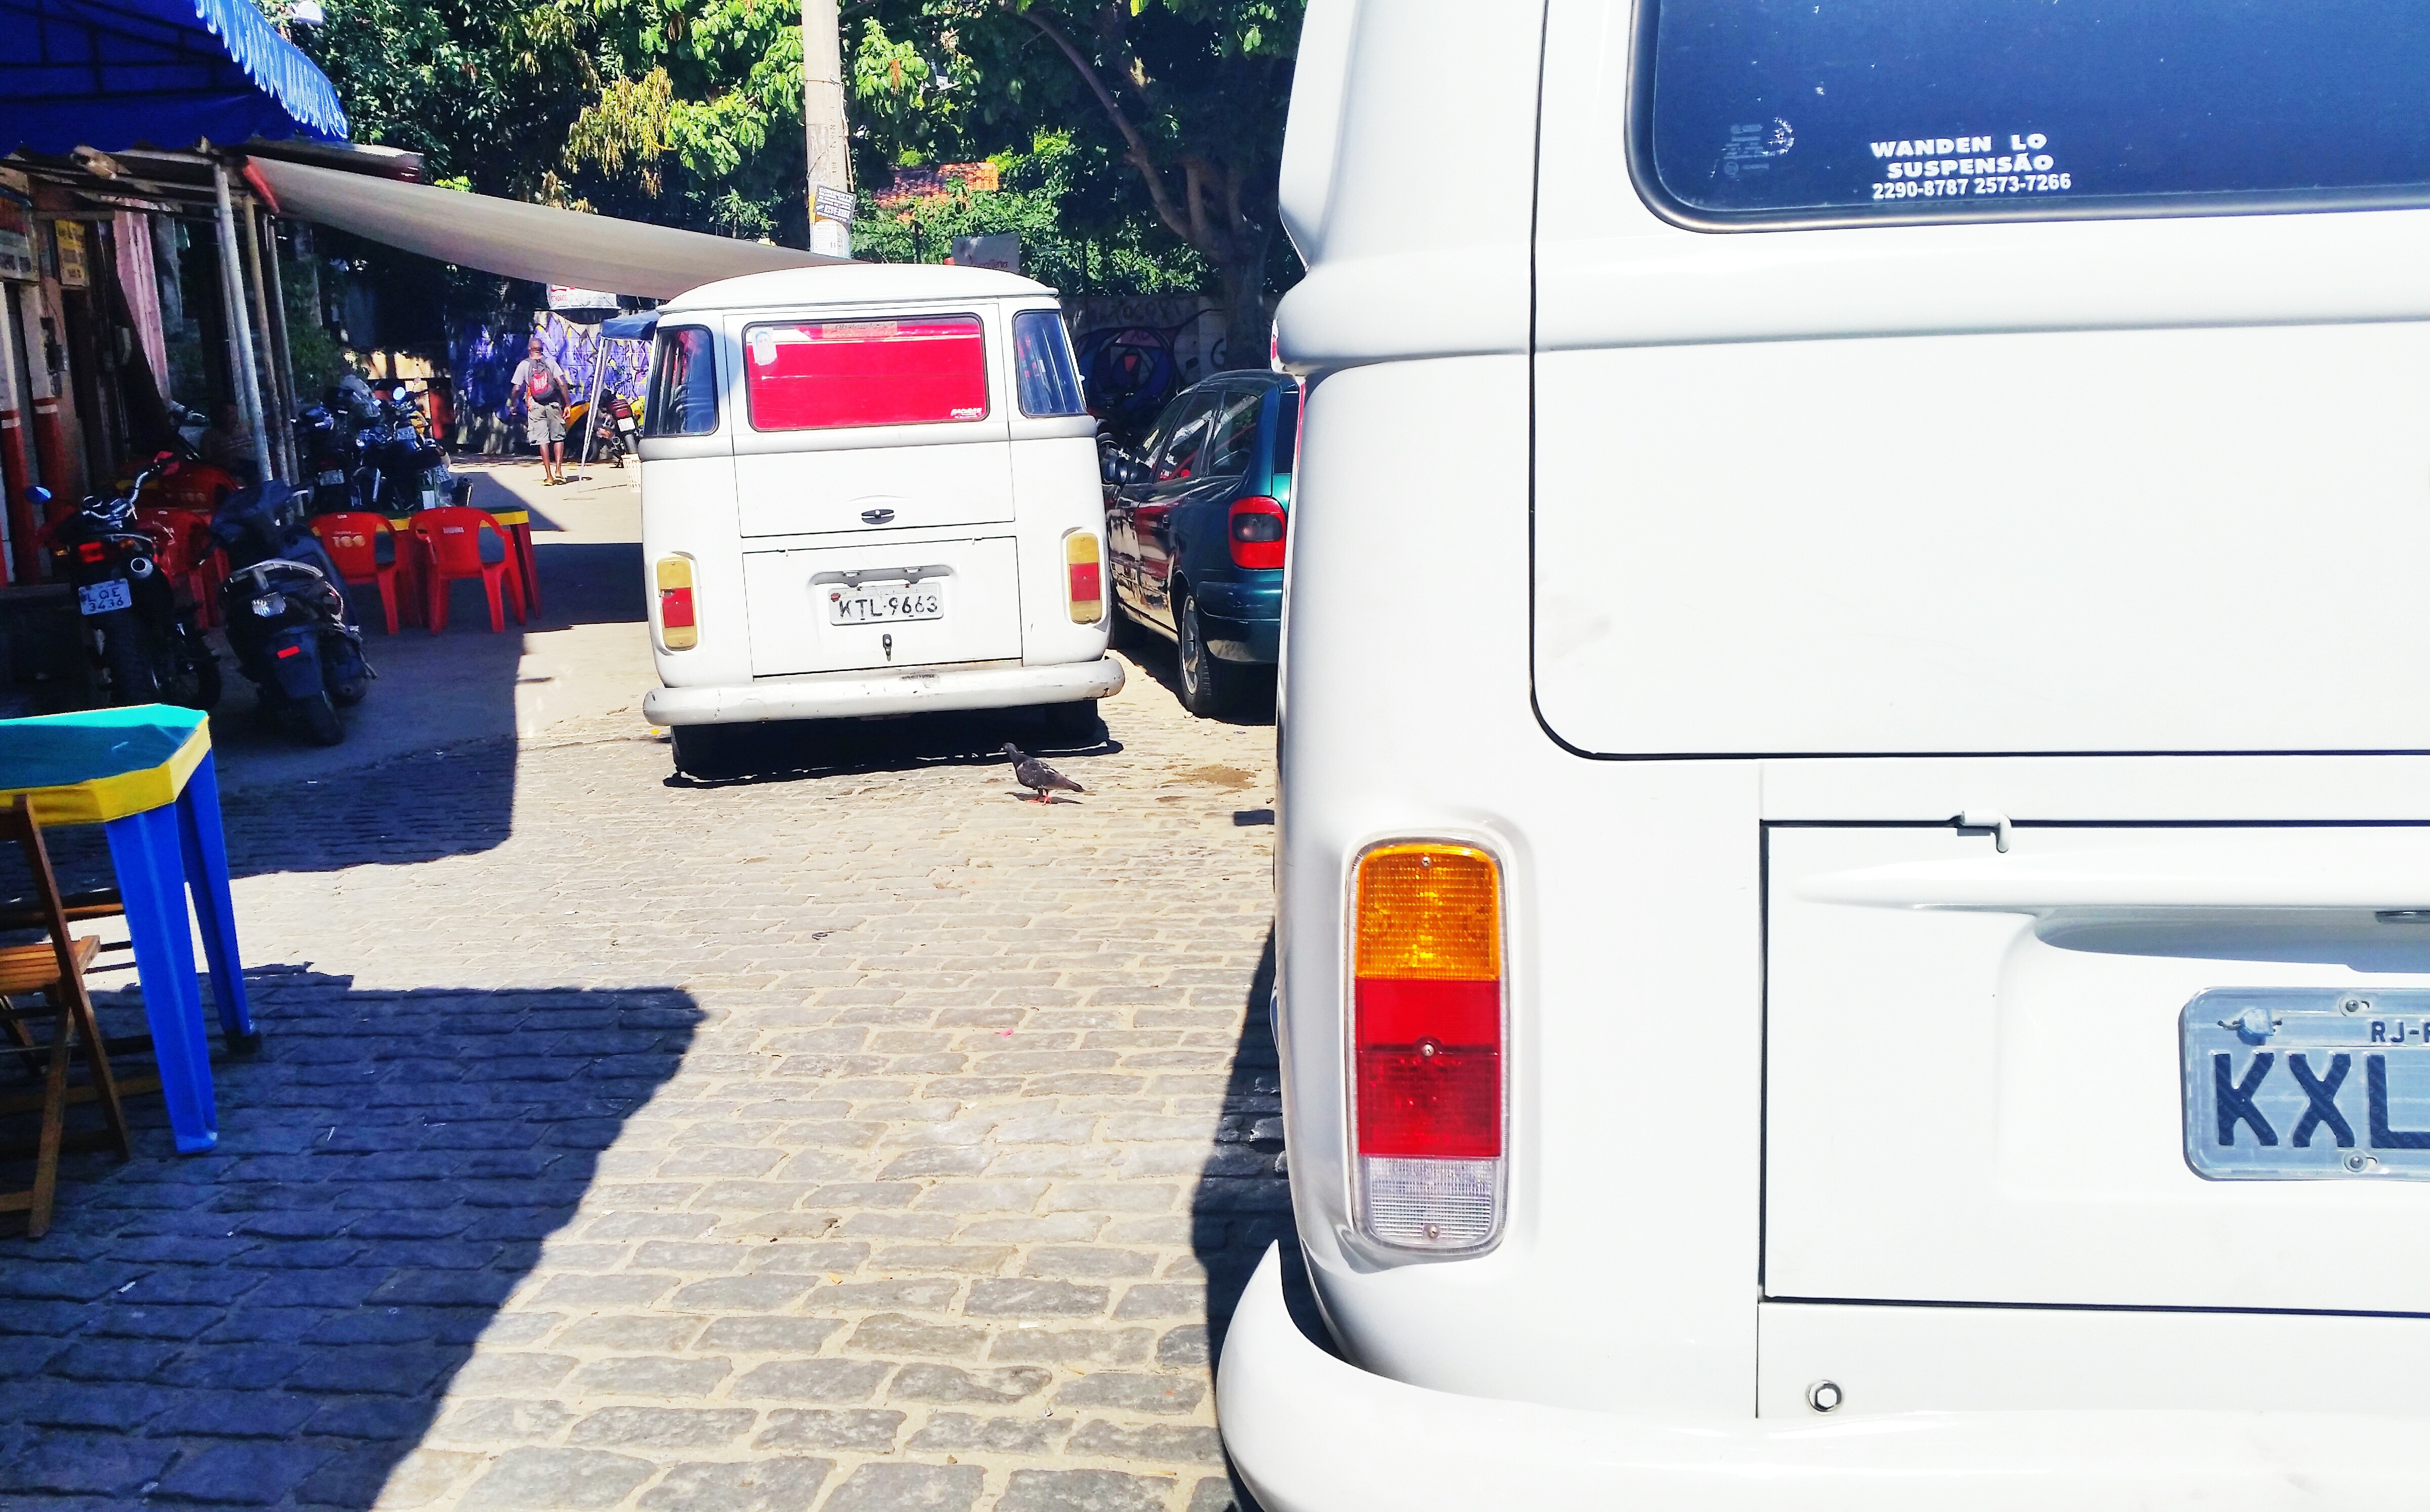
x,y
856,283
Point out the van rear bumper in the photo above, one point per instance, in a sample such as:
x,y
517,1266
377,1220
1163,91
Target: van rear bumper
x,y
1310,1434
858,695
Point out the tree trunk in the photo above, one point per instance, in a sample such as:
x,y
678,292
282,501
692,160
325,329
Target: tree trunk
x,y
1248,330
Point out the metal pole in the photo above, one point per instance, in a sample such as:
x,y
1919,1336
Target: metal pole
x,y
284,369
823,120
274,427
247,379
590,416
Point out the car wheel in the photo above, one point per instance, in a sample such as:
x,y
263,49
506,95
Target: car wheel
x,y
1073,724
1208,684
708,752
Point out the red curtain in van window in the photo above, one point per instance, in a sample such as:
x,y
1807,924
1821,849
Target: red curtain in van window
x,y
822,375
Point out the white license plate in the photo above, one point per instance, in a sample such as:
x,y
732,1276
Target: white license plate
x,y
624,425
2297,1083
884,603
100,598
332,479
430,498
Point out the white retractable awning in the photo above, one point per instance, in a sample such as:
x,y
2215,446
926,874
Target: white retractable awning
x,y
534,241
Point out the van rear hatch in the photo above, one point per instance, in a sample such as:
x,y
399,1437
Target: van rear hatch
x,y
883,603
2128,1067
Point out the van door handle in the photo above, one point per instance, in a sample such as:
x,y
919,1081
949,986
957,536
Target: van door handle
x,y
876,517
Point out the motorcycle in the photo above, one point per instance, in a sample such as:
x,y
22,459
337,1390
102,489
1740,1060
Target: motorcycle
x,y
615,431
286,615
400,469
144,640
325,441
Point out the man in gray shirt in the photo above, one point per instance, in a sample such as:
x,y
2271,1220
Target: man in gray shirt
x,y
542,388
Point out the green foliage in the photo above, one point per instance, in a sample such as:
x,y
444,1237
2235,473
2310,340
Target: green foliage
x,y
319,360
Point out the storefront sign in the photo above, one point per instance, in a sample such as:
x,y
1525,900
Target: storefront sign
x,y
70,237
17,237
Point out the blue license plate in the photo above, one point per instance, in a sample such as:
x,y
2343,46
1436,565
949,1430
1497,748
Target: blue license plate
x,y
2289,1083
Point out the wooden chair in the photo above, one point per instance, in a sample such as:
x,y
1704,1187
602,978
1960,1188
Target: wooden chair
x,y
55,969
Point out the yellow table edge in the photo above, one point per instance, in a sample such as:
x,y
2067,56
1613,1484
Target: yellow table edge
x,y
99,800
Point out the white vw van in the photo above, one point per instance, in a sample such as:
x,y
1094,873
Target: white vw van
x,y
1855,844
868,490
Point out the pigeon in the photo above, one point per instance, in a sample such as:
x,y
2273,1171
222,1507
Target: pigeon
x,y
1037,776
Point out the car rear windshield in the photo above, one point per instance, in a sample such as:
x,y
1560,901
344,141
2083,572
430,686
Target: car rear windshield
x,y
823,375
682,384
1768,112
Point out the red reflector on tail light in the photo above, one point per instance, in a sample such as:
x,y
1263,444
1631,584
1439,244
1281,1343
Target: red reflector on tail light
x,y
285,652
1428,1079
90,551
675,608
1088,582
1257,532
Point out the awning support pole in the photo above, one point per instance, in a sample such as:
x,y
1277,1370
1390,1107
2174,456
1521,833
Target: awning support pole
x,y
590,416
285,366
275,428
247,379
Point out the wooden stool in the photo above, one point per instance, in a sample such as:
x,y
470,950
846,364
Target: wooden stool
x,y
55,969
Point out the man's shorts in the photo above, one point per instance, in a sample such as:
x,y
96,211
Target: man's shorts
x,y
545,423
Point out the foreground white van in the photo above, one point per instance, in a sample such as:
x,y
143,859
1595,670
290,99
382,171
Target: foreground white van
x,y
868,490
1855,768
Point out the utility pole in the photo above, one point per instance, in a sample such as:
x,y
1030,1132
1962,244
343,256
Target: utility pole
x,y
831,198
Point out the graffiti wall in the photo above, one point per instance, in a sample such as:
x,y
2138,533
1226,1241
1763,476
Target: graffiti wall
x,y
484,356
1138,352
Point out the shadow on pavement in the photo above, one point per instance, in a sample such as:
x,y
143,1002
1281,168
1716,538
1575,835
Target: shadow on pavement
x,y
274,1323
1240,1207
790,751
1160,658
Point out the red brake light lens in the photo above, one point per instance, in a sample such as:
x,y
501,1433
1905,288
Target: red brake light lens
x,y
1257,532
90,551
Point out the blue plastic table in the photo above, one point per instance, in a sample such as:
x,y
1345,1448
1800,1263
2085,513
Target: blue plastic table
x,y
144,774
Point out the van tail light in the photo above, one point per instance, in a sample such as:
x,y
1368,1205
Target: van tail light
x,y
1084,581
1427,1010
678,626
1257,532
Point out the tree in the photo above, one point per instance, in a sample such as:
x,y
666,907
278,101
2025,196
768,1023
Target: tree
x,y
1187,96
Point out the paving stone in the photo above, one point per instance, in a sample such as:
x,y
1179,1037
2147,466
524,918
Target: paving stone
x,y
1115,1442
769,1335
1131,1392
944,1383
246,1474
1216,1494
961,1432
895,1334
667,1376
759,1486
635,1331
1083,1490
876,1488
1026,1298
665,1427
1073,1346
542,1480
865,1428
68,1464
1183,1347
812,1381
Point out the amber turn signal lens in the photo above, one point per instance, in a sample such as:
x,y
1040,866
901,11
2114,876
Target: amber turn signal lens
x,y
1428,910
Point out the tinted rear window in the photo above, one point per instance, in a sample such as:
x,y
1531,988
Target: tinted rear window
x,y
1287,433
822,375
1766,111
682,384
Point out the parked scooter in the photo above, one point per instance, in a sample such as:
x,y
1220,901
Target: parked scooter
x,y
285,613
614,432
144,640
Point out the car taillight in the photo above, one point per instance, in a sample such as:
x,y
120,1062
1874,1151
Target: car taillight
x,y
1428,1014
1257,532
677,629
1084,584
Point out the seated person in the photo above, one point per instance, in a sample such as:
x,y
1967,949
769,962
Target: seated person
x,y
229,445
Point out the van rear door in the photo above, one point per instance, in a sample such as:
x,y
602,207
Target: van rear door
x,y
859,422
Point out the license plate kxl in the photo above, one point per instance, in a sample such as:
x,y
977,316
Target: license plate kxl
x,y
2306,1084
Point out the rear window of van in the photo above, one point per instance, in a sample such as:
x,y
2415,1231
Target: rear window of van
x,y
1771,112
827,375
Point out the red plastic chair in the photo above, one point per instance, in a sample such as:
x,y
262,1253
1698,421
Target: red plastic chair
x,y
352,538
182,547
452,535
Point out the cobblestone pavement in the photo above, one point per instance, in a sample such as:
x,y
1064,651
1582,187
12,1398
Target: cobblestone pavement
x,y
859,1139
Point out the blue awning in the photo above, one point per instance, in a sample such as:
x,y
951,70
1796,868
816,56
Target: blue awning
x,y
630,327
118,74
